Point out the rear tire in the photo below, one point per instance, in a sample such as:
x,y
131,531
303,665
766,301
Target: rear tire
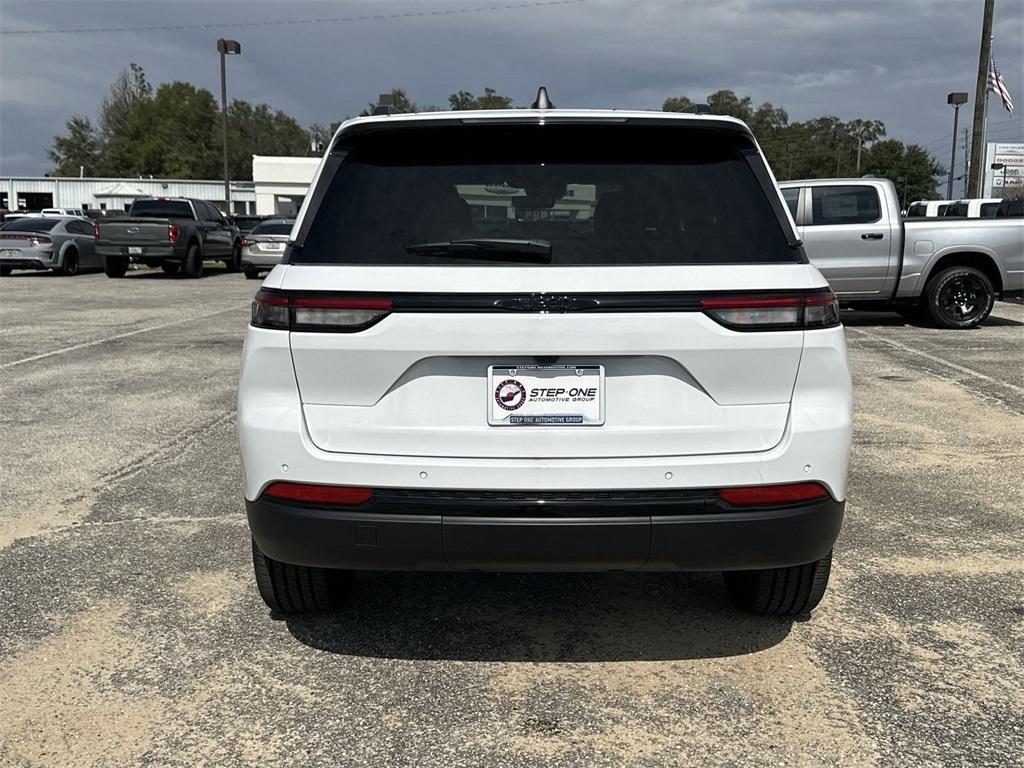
x,y
115,266
298,588
193,262
959,297
252,274
70,265
170,267
5,271
235,262
779,591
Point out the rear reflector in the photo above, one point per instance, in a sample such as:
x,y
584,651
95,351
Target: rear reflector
x,y
764,495
773,312
310,312
310,493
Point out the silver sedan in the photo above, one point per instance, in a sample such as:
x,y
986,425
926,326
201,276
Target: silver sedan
x,y
64,245
264,246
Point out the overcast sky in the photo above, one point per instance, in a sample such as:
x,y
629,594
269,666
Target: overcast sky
x,y
893,61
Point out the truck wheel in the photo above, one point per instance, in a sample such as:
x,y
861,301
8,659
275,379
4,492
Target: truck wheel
x,y
235,262
298,588
252,274
70,265
193,262
170,267
779,591
959,297
115,266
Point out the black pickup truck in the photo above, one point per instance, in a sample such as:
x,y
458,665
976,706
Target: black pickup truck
x,y
176,234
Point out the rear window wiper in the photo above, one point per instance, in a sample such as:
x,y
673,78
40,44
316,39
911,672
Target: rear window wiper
x,y
487,248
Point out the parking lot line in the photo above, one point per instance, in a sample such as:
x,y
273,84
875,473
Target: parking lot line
x,y
96,342
934,358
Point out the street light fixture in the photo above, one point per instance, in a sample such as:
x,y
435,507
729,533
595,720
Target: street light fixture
x,y
226,48
957,98
999,167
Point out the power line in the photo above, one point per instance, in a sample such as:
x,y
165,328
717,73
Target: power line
x,y
283,22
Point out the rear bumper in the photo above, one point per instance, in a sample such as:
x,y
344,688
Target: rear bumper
x,y
23,262
632,530
149,252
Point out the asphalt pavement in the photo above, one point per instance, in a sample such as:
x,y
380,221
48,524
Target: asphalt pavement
x,y
131,632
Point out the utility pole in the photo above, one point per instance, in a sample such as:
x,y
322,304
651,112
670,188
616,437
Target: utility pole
x,y
980,103
860,143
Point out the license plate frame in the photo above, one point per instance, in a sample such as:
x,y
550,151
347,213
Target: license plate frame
x,y
531,396
9,253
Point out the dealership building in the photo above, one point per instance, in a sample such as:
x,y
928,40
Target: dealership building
x,y
278,188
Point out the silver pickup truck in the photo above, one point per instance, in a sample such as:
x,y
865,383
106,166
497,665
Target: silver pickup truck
x,y
949,269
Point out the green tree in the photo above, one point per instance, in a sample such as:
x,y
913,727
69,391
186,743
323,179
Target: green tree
x,y
490,99
260,130
908,166
676,104
127,94
79,149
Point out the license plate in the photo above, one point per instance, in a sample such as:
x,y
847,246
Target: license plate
x,y
10,252
272,246
134,250
545,395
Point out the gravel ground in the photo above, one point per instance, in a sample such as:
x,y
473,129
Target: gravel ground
x,y
131,632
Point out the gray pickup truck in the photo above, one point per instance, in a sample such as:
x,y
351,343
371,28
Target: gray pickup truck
x,y
948,269
176,234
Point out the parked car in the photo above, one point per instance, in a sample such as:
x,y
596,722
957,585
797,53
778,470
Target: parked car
x,y
927,209
633,368
59,212
263,247
245,223
173,233
950,270
64,245
978,208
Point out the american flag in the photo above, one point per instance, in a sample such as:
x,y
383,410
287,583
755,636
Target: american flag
x,y
998,87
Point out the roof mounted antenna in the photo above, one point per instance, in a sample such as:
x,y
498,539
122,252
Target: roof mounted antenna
x,y
385,104
542,101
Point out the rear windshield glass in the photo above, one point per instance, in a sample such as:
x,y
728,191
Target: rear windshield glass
x,y
600,195
272,228
31,225
162,209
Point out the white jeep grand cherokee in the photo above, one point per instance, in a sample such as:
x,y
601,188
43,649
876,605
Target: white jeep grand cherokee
x,y
545,340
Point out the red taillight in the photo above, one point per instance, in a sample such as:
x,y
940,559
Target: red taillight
x,y
309,493
95,230
173,231
764,495
311,312
246,242
769,312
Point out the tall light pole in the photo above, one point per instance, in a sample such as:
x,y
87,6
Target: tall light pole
x,y
225,48
956,98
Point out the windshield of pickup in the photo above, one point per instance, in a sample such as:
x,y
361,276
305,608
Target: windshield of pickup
x,y
161,209
599,194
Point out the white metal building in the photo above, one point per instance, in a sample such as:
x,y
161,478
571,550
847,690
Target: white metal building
x,y
35,192
281,183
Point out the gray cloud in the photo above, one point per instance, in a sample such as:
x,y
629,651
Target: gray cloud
x,y
892,61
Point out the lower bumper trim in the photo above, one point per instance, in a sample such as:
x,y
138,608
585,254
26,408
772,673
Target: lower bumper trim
x,y
448,539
